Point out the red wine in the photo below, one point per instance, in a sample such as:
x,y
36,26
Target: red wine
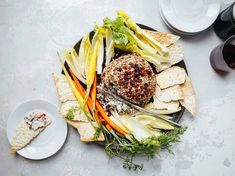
x,y
222,58
229,55
224,25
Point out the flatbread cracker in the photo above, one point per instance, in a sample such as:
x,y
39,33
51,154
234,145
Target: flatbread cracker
x,y
171,76
86,131
63,89
78,115
175,53
24,135
189,101
173,105
173,93
66,106
68,101
164,38
175,56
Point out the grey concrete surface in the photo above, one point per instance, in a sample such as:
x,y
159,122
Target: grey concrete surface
x,y
31,31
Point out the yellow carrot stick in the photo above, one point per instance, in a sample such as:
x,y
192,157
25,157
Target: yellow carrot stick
x,y
99,108
89,101
91,70
93,92
75,91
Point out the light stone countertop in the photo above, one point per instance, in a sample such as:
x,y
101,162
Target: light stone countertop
x,y
31,31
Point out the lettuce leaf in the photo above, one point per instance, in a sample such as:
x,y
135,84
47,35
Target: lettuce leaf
x,y
125,39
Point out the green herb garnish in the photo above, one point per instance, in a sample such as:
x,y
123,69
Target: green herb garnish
x,y
149,147
71,113
98,131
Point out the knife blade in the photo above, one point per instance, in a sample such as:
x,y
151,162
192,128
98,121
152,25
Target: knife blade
x,y
138,107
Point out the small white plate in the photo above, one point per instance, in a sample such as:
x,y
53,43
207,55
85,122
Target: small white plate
x,y
190,16
50,140
172,27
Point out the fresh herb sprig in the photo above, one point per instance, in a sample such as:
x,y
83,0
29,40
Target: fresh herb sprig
x,y
149,147
71,113
98,132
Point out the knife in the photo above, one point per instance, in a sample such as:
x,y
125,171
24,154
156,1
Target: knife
x,y
138,107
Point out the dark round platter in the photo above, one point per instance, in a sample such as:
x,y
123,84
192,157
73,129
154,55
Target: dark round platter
x,y
176,116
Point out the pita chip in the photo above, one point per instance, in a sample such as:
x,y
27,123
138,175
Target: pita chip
x,y
189,100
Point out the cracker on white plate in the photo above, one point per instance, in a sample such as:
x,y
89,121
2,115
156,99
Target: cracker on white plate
x,y
24,135
86,131
63,89
171,76
173,93
189,100
78,114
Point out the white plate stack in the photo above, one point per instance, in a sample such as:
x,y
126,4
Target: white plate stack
x,y
188,17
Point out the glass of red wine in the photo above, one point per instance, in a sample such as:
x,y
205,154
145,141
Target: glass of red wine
x,y
222,58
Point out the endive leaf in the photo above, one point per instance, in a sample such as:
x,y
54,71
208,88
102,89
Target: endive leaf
x,y
154,122
79,65
132,25
75,91
73,66
98,38
138,130
84,54
109,46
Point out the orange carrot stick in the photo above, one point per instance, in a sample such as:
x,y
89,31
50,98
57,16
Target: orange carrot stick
x,y
107,119
79,86
82,92
108,127
98,106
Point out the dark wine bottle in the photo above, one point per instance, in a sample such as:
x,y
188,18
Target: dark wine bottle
x,y
224,25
